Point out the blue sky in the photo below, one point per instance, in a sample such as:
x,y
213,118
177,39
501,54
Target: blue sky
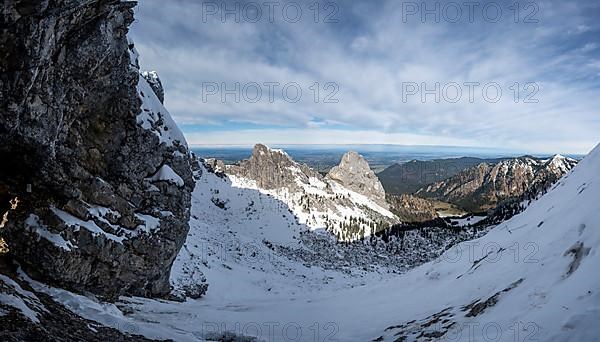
x,y
367,57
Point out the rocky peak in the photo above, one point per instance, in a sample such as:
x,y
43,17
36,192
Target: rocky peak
x,y
354,173
272,169
263,153
560,164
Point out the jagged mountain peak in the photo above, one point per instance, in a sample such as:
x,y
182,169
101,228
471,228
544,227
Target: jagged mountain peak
x,y
272,169
354,173
351,204
352,159
352,155
560,163
261,150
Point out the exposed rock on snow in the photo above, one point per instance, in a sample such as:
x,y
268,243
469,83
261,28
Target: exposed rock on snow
x,y
28,315
166,174
317,201
83,135
355,174
154,81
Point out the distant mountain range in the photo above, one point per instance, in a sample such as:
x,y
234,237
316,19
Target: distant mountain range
x,y
323,157
483,187
409,177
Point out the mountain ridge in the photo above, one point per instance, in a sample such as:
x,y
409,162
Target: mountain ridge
x,y
320,202
483,187
407,178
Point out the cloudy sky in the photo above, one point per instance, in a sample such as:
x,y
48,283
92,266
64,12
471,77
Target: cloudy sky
x,y
378,72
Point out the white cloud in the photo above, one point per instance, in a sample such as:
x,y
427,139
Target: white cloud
x,y
369,55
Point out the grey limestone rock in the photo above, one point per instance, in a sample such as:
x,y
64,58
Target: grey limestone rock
x,y
103,179
355,174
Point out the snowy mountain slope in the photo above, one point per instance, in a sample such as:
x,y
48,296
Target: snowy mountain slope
x,y
552,247
233,233
318,202
532,278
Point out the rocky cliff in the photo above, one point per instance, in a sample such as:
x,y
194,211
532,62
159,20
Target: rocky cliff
x,y
484,186
99,169
355,174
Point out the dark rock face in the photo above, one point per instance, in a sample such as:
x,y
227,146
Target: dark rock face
x,y
484,186
101,172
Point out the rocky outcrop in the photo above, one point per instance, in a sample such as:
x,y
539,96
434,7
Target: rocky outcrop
x,y
101,172
318,202
31,315
355,174
272,169
214,165
154,81
484,186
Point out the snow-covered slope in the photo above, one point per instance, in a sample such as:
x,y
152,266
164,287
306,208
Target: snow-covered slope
x,y
531,278
242,233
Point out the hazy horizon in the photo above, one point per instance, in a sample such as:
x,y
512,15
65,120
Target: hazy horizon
x,y
323,157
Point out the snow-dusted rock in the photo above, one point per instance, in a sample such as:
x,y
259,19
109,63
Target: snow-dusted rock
x,y
485,186
154,81
87,147
317,201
